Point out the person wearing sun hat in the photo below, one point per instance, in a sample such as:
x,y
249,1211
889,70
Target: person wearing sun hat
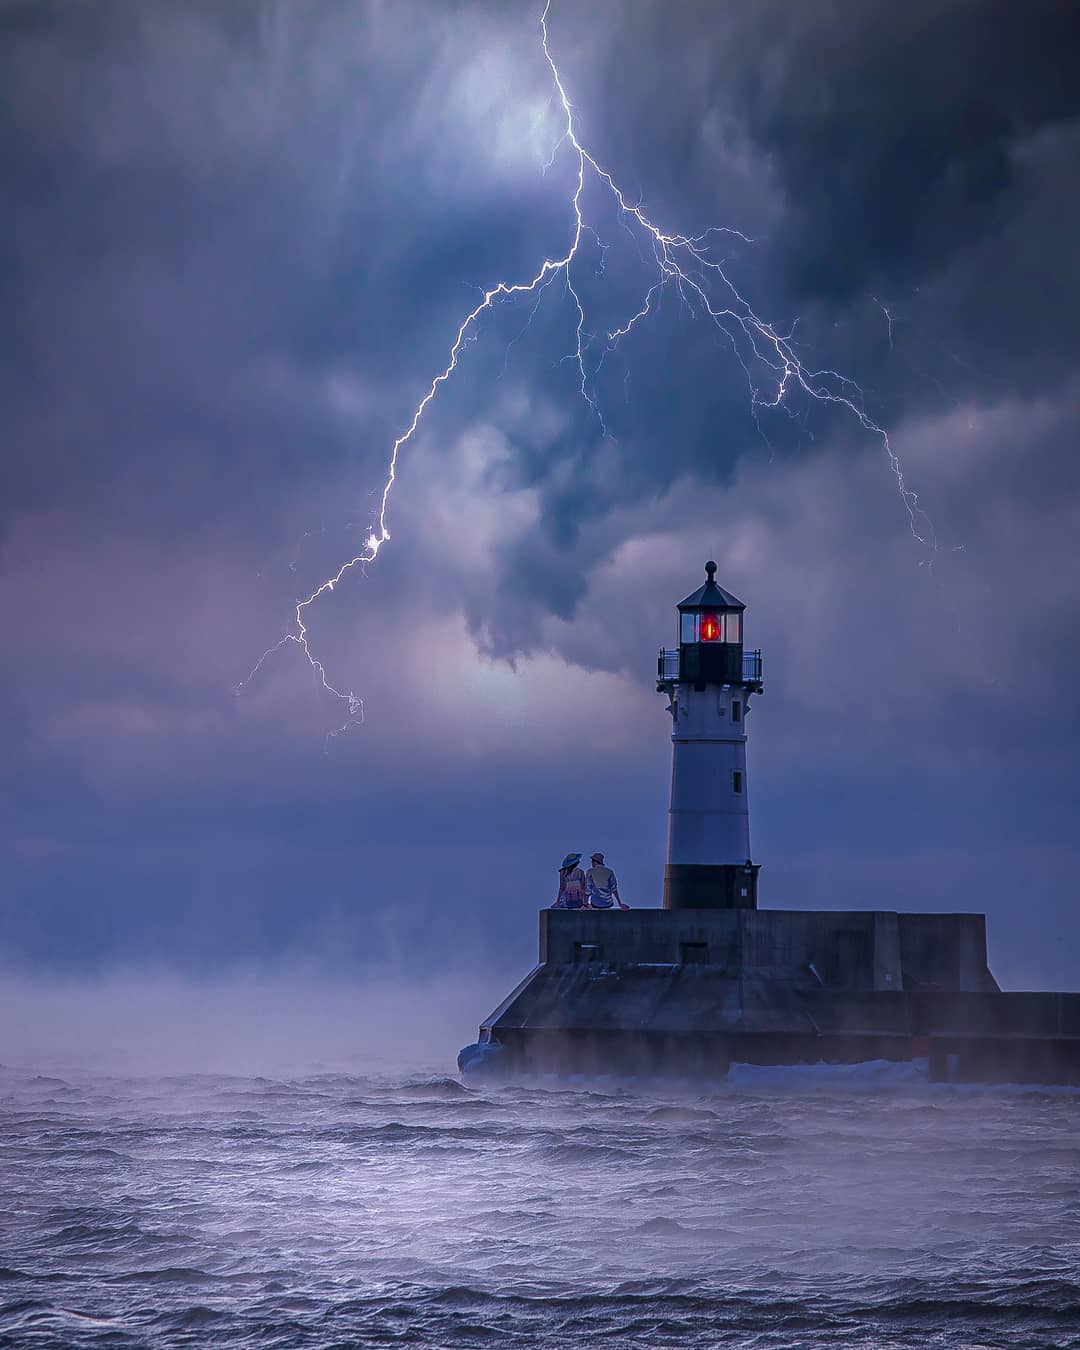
x,y
571,884
601,886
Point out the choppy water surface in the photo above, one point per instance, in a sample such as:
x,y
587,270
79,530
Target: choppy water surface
x,y
783,1210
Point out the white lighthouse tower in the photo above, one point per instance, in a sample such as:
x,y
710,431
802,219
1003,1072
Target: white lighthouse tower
x,y
709,680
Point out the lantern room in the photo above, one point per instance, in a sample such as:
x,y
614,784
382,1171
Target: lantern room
x,y
710,634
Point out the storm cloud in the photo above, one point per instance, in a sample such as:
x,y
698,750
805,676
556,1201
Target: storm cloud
x,y
238,243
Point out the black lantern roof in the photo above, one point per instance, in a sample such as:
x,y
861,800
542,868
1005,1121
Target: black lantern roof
x,y
710,596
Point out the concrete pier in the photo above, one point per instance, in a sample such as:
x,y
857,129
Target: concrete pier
x,y
686,993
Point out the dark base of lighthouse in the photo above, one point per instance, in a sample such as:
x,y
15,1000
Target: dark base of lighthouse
x,y
684,994
693,886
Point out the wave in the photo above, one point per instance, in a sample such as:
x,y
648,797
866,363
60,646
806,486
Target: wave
x,y
172,1275
867,1076
662,1226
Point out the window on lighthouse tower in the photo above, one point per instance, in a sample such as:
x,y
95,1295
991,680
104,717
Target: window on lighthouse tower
x,y
710,628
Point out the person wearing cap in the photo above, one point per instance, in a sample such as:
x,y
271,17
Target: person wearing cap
x,y
601,886
571,884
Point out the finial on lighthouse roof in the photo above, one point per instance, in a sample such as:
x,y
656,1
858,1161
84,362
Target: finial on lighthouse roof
x,y
711,596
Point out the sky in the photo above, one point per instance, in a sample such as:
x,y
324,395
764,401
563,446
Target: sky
x,y
237,246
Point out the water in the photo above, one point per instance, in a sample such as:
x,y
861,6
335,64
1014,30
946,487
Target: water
x,y
787,1209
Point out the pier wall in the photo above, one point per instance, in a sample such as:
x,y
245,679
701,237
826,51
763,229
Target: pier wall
x,y
830,949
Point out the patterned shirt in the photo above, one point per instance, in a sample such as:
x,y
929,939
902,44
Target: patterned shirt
x,y
571,891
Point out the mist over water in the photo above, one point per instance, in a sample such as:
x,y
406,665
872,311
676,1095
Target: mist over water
x,y
156,1205
250,1021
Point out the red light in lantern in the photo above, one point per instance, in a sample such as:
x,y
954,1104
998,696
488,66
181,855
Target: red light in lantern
x,y
710,628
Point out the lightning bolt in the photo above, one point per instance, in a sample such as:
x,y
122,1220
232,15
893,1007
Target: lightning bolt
x,y
888,318
684,264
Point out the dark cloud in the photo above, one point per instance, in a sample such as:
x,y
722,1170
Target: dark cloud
x,y
893,127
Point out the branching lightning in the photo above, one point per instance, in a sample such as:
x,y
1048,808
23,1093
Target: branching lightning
x,y
888,318
684,264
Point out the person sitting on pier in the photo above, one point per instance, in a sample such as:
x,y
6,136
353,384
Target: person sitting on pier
x,y
571,884
601,887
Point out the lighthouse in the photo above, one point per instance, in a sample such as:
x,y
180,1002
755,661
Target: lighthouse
x,y
709,679
711,980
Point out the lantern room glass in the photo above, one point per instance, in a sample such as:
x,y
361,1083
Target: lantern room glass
x,y
725,626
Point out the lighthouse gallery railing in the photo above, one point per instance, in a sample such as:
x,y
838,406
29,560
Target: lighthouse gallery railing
x,y
667,666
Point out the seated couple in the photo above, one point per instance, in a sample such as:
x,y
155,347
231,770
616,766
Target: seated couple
x,y
595,889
